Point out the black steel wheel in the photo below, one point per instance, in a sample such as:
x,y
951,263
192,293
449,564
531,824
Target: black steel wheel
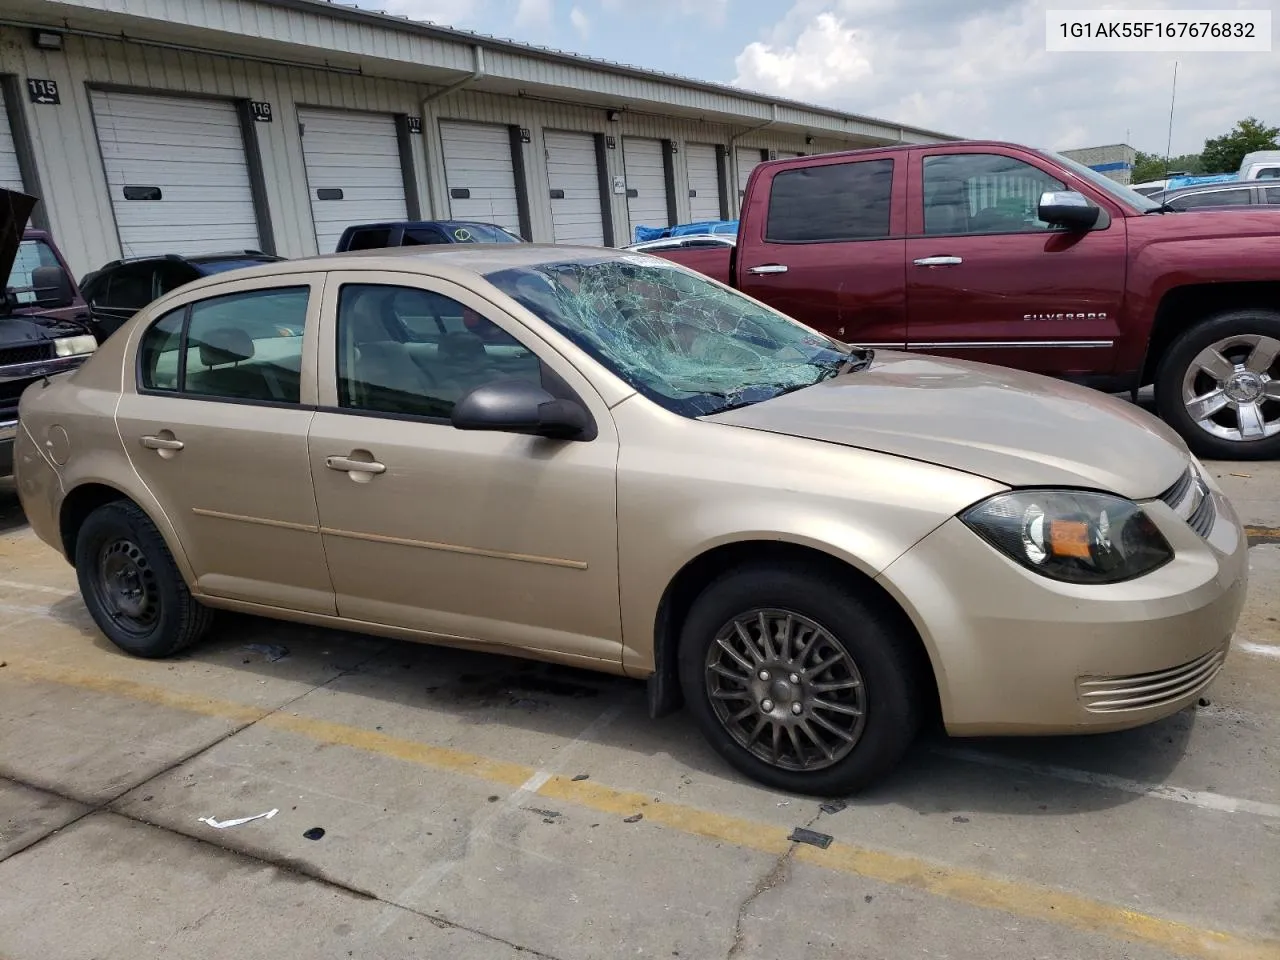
x,y
131,586
799,679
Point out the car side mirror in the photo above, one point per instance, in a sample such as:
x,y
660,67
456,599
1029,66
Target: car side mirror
x,y
52,287
518,406
1067,208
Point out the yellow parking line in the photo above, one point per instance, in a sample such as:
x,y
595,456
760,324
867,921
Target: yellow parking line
x,y
1262,533
962,886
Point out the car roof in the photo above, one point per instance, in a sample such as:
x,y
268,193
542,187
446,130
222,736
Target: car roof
x,y
1209,188
422,223
447,261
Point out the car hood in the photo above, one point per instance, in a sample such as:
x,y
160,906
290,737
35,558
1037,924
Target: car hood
x,y
15,208
1016,428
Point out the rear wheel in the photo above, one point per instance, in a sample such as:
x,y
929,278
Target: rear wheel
x,y
798,681
131,585
1219,386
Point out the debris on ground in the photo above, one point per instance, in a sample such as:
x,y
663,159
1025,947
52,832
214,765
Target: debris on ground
x,y
1242,476
315,833
581,776
550,815
223,824
634,818
1203,701
959,819
784,803
804,835
272,651
832,806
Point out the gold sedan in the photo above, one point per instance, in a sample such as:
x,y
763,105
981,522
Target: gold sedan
x,y
601,459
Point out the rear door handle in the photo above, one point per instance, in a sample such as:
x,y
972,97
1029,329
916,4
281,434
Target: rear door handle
x,y
162,443
347,465
938,262
768,268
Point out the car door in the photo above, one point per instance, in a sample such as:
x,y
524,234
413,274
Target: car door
x,y
823,243
216,426
989,281
467,536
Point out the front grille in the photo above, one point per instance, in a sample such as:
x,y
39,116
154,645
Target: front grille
x,y
1143,690
1191,500
32,353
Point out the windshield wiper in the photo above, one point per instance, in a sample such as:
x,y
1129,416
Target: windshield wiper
x,y
853,362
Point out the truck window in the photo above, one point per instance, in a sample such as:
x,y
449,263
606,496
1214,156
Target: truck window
x,y
835,201
1273,195
1268,173
1212,198
983,193
31,254
370,239
421,236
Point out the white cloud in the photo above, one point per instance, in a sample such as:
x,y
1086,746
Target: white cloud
x,y
580,22
825,58
980,69
534,13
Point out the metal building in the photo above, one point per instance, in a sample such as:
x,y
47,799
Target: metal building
x,y
173,126
1115,160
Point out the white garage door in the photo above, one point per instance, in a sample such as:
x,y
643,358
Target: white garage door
x,y
479,173
704,181
177,174
354,174
646,183
575,188
748,158
10,175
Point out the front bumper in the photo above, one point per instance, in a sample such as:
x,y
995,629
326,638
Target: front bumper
x,y
1017,653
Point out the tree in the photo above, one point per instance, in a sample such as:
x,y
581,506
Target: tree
x,y
1152,166
1223,154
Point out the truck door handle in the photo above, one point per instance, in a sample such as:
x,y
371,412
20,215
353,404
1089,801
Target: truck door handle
x,y
347,465
768,268
938,262
162,443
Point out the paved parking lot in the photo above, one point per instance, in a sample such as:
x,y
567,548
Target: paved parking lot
x,y
439,803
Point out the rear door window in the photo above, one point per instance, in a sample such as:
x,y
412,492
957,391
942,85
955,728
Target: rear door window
x,y
370,239
421,236
832,202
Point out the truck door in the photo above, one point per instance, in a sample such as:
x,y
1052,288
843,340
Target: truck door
x,y
989,281
822,241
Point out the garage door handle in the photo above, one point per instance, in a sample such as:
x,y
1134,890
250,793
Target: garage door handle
x,y
768,268
347,465
162,443
938,262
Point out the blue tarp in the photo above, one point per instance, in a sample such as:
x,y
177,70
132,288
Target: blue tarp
x,y
1176,182
686,229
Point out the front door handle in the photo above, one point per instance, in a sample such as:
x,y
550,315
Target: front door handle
x,y
938,262
162,443
768,268
347,465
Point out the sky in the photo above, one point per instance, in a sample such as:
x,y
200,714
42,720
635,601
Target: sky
x,y
972,68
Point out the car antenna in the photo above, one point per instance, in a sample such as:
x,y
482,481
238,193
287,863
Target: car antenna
x,y
1168,147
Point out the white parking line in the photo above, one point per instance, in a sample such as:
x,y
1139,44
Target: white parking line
x,y
1258,649
1160,791
22,610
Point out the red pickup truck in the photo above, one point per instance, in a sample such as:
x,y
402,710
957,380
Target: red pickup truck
x,y
1018,257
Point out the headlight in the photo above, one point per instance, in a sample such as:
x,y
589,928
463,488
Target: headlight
x,y
1071,535
74,346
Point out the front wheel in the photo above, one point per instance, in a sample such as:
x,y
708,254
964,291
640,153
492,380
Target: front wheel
x,y
131,585
1219,386
798,681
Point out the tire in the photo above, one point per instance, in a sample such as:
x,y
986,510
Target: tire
x,y
882,658
131,585
1247,339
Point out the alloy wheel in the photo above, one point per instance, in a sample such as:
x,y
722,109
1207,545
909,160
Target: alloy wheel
x,y
1231,389
786,689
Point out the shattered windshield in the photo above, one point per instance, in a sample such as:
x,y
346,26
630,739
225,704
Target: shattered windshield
x,y
688,344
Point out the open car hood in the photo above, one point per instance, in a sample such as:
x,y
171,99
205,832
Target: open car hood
x,y
1016,428
15,209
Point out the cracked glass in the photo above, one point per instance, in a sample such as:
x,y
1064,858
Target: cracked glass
x,y
685,342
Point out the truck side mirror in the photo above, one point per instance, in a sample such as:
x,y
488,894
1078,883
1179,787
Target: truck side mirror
x,y
1067,208
52,287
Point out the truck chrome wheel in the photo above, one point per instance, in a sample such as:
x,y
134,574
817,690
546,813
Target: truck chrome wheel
x,y
1231,389
786,689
